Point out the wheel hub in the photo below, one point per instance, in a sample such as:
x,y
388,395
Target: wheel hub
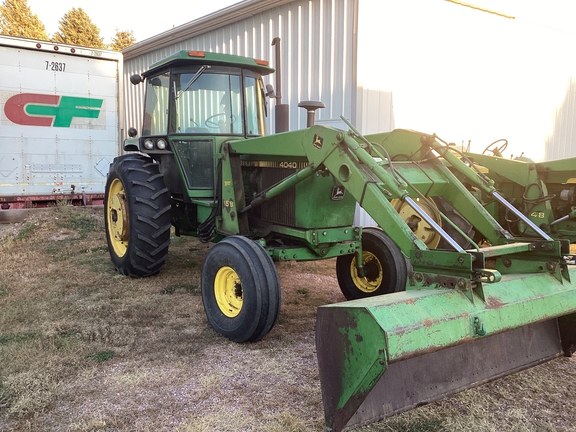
x,y
371,270
228,291
419,226
118,218
372,273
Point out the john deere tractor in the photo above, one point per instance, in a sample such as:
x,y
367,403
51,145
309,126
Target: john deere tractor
x,y
424,322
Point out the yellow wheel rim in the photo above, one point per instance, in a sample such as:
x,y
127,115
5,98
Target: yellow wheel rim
x,y
118,222
372,273
228,292
419,226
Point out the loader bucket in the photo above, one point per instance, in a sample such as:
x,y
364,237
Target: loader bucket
x,y
383,355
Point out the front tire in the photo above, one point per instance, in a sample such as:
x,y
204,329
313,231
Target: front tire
x,y
137,216
240,289
385,267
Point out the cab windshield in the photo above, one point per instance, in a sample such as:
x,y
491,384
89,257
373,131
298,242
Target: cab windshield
x,y
211,104
205,101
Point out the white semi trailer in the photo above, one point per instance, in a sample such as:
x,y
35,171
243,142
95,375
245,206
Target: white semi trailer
x,y
61,120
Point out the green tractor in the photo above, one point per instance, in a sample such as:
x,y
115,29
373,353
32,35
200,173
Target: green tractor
x,y
424,322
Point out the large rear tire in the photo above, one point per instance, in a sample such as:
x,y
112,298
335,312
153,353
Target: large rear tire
x,y
240,289
385,267
137,216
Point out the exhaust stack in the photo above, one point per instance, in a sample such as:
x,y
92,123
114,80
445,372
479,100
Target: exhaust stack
x,y
282,110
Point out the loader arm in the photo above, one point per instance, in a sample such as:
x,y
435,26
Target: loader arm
x,y
368,173
326,152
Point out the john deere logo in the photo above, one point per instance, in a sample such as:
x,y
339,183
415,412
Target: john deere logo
x,y
31,109
338,193
317,141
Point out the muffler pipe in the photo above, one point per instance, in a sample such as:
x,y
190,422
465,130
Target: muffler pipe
x,y
282,111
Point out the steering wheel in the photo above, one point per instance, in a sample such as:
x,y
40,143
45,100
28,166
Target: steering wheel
x,y
496,151
212,124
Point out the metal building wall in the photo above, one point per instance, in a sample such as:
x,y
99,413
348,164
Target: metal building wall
x,y
474,76
317,42
561,142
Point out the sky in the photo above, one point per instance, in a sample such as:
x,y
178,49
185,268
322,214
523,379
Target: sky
x,y
144,19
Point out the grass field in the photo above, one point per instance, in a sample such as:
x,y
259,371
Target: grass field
x,y
85,349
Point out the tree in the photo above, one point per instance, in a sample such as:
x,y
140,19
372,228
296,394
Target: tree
x,y
16,19
76,28
122,40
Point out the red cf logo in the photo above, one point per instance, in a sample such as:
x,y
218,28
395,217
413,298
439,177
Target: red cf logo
x,y
31,109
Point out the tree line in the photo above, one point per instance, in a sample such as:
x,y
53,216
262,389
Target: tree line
x,y
75,27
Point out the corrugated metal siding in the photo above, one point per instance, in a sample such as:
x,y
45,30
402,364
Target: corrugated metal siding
x,y
363,219
561,143
375,111
317,42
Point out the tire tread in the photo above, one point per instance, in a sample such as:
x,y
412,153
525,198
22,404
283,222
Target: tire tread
x,y
149,215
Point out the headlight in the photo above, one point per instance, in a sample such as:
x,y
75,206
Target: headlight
x,y
161,144
148,144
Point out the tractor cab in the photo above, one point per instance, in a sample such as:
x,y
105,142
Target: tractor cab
x,y
204,100
194,102
201,93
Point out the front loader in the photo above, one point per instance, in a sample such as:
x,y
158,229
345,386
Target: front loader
x,y
421,323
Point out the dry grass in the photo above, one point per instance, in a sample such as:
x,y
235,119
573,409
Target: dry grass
x,y
84,349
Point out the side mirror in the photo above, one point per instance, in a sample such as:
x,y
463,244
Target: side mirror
x,y
136,79
270,91
132,132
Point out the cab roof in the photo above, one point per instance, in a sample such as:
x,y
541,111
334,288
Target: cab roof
x,y
184,57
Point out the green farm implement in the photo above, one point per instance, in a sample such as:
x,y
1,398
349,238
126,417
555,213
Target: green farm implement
x,y
543,191
421,322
